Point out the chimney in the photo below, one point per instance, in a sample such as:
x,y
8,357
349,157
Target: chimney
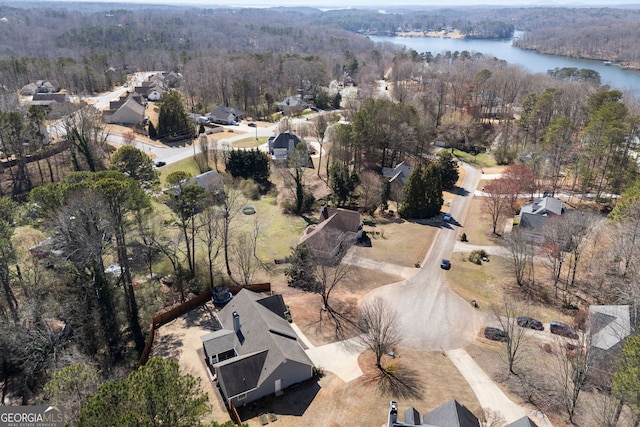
x,y
236,322
324,213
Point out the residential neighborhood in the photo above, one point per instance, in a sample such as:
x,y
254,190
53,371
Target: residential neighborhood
x,y
282,221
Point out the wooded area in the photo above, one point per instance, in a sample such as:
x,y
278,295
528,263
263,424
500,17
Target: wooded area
x,y
72,207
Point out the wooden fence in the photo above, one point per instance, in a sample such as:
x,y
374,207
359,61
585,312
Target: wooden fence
x,y
167,315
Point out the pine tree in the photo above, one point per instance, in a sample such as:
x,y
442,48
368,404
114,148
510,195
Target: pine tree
x,y
422,193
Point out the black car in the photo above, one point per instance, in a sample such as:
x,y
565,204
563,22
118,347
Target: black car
x,y
252,125
563,329
160,164
445,264
528,322
496,334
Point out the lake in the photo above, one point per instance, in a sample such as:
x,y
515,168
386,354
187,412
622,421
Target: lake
x,y
625,80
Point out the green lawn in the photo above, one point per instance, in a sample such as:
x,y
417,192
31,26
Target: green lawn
x,y
186,165
483,160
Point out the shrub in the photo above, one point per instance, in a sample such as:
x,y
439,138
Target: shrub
x,y
477,255
250,189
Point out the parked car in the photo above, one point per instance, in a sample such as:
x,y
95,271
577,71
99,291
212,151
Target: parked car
x,y
445,264
496,334
252,125
160,164
528,322
446,217
563,329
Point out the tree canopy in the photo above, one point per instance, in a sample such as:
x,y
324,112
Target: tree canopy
x,y
155,394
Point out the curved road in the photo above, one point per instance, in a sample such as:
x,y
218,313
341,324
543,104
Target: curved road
x,y
431,315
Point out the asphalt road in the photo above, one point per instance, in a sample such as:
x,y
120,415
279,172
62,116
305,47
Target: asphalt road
x,y
431,316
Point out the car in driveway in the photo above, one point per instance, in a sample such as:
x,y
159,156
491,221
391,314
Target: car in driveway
x,y
445,264
160,164
563,329
528,322
496,334
252,125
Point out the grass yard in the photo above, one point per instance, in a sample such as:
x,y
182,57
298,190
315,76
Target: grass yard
x,y
187,165
485,283
401,242
482,160
251,142
477,225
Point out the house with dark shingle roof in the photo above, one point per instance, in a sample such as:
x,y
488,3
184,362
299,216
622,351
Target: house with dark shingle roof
x,y
535,216
449,414
256,352
398,177
337,230
126,111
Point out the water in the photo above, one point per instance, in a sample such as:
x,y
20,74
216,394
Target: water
x,y
625,80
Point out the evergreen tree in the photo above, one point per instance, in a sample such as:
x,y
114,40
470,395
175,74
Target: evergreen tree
x,y
172,118
449,168
153,134
422,193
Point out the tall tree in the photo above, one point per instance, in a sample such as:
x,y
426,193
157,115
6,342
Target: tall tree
x,y
88,138
626,379
422,193
7,258
172,118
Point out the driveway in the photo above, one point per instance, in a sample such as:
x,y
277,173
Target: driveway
x,y
432,316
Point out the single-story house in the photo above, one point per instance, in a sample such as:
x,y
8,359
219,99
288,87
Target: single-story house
x,y
336,231
225,115
129,112
46,99
40,86
535,216
398,177
256,353
211,181
608,326
292,102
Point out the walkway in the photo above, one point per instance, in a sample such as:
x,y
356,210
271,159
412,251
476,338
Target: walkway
x,y
385,267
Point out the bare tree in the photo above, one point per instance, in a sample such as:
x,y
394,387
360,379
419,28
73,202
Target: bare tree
x,y
507,316
572,367
209,233
520,249
88,139
497,201
243,250
380,328
230,208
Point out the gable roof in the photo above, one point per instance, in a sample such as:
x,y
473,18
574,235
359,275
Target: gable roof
x,y
336,227
533,222
130,112
544,206
292,101
211,181
608,325
400,173
451,414
225,114
522,422
264,341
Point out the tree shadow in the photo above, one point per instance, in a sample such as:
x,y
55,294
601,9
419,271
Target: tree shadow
x,y
460,191
168,347
203,316
403,384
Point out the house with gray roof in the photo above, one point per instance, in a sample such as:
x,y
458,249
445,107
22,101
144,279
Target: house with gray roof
x,y
223,115
281,146
211,181
608,326
398,177
522,422
292,102
535,216
127,111
449,414
256,353
336,231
